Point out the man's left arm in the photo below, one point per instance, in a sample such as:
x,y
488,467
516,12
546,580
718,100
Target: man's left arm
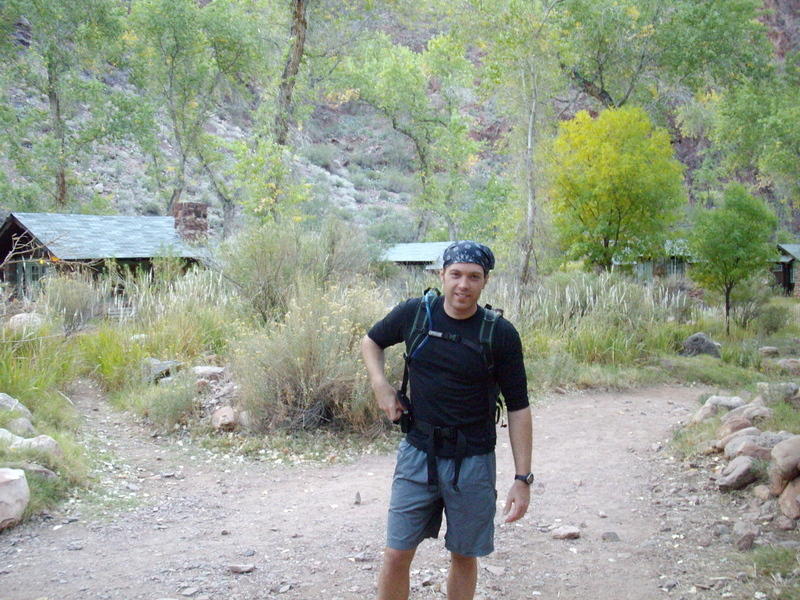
x,y
520,433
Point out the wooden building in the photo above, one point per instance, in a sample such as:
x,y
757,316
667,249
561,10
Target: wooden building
x,y
32,244
787,268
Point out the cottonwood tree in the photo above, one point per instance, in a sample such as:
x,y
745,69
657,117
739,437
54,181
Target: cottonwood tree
x,y
396,82
55,104
188,58
616,187
731,243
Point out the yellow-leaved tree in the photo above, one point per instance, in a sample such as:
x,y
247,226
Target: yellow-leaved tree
x,y
615,186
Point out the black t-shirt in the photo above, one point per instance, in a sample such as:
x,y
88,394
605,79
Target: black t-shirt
x,y
449,382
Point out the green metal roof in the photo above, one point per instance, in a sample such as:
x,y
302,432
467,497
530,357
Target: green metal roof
x,y
92,237
792,249
416,252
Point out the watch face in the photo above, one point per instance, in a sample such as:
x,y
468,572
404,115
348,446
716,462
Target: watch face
x,y
529,479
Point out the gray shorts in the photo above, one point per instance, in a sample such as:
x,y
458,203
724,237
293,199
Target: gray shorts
x,y
415,512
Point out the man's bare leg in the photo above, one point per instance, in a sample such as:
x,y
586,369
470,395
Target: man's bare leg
x,y
462,578
393,582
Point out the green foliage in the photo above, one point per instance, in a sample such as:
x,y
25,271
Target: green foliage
x,y
785,417
54,105
264,173
71,299
709,370
773,318
269,262
164,404
111,356
616,186
305,371
732,243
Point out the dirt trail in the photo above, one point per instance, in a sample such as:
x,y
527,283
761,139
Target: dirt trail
x,y
181,516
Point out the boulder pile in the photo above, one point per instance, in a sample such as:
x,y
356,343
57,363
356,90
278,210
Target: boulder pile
x,y
747,447
21,436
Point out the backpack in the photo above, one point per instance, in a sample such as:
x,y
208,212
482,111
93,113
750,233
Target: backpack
x,y
422,330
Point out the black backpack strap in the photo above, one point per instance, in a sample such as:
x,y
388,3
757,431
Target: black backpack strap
x,y
418,335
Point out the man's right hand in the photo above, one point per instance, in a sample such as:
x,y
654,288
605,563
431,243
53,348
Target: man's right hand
x,y
386,396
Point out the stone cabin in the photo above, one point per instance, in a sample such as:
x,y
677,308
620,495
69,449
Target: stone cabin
x,y
32,244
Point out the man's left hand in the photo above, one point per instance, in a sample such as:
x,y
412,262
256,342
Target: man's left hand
x,y
519,497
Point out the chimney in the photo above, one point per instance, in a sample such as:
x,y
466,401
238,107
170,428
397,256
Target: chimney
x,y
191,220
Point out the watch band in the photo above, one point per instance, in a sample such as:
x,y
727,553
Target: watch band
x,y
527,478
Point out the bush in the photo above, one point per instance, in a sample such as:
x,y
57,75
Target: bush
x,y
305,371
773,318
166,404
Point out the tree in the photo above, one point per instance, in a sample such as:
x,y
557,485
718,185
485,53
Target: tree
x,y
56,104
397,82
616,187
732,243
189,57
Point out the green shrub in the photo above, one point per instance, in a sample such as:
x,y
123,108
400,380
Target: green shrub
x,y
743,354
110,355
773,318
322,155
305,371
165,404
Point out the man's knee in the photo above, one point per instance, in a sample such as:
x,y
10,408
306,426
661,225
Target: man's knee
x,y
398,560
461,561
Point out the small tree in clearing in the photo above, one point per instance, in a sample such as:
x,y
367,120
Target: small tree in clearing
x,y
732,243
616,186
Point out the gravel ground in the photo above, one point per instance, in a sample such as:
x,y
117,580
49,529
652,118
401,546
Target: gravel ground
x,y
171,520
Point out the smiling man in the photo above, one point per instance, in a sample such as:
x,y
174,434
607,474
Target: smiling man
x,y
459,355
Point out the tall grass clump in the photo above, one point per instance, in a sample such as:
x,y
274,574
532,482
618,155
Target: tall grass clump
x,y
598,319
305,371
72,299
165,405
34,366
111,355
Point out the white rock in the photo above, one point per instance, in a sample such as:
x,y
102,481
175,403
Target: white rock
x,y
729,402
224,419
9,403
14,496
208,372
25,322
565,532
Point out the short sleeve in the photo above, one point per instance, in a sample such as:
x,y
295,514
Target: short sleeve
x,y
392,328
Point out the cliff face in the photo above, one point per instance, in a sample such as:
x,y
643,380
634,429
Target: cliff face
x,y
783,20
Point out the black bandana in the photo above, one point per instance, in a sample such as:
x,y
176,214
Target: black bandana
x,y
468,252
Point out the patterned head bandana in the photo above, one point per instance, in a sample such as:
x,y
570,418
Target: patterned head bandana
x,y
468,252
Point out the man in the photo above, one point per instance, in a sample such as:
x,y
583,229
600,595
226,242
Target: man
x,y
446,463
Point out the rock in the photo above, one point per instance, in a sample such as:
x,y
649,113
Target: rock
x,y
738,474
224,419
245,420
495,570
700,343
610,536
752,449
777,392
209,372
565,532
41,443
705,412
734,447
14,496
744,535
777,482
790,365
762,492
9,403
729,402
746,432
788,500
189,591
241,569
733,425
770,439
786,457
21,427
784,523
770,351
154,369
24,322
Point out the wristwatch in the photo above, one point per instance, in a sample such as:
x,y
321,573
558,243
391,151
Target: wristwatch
x,y
524,478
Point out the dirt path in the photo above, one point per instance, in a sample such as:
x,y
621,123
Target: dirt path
x,y
182,515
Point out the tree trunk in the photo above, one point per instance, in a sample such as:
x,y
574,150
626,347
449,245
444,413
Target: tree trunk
x,y
529,263
290,70
59,130
728,309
